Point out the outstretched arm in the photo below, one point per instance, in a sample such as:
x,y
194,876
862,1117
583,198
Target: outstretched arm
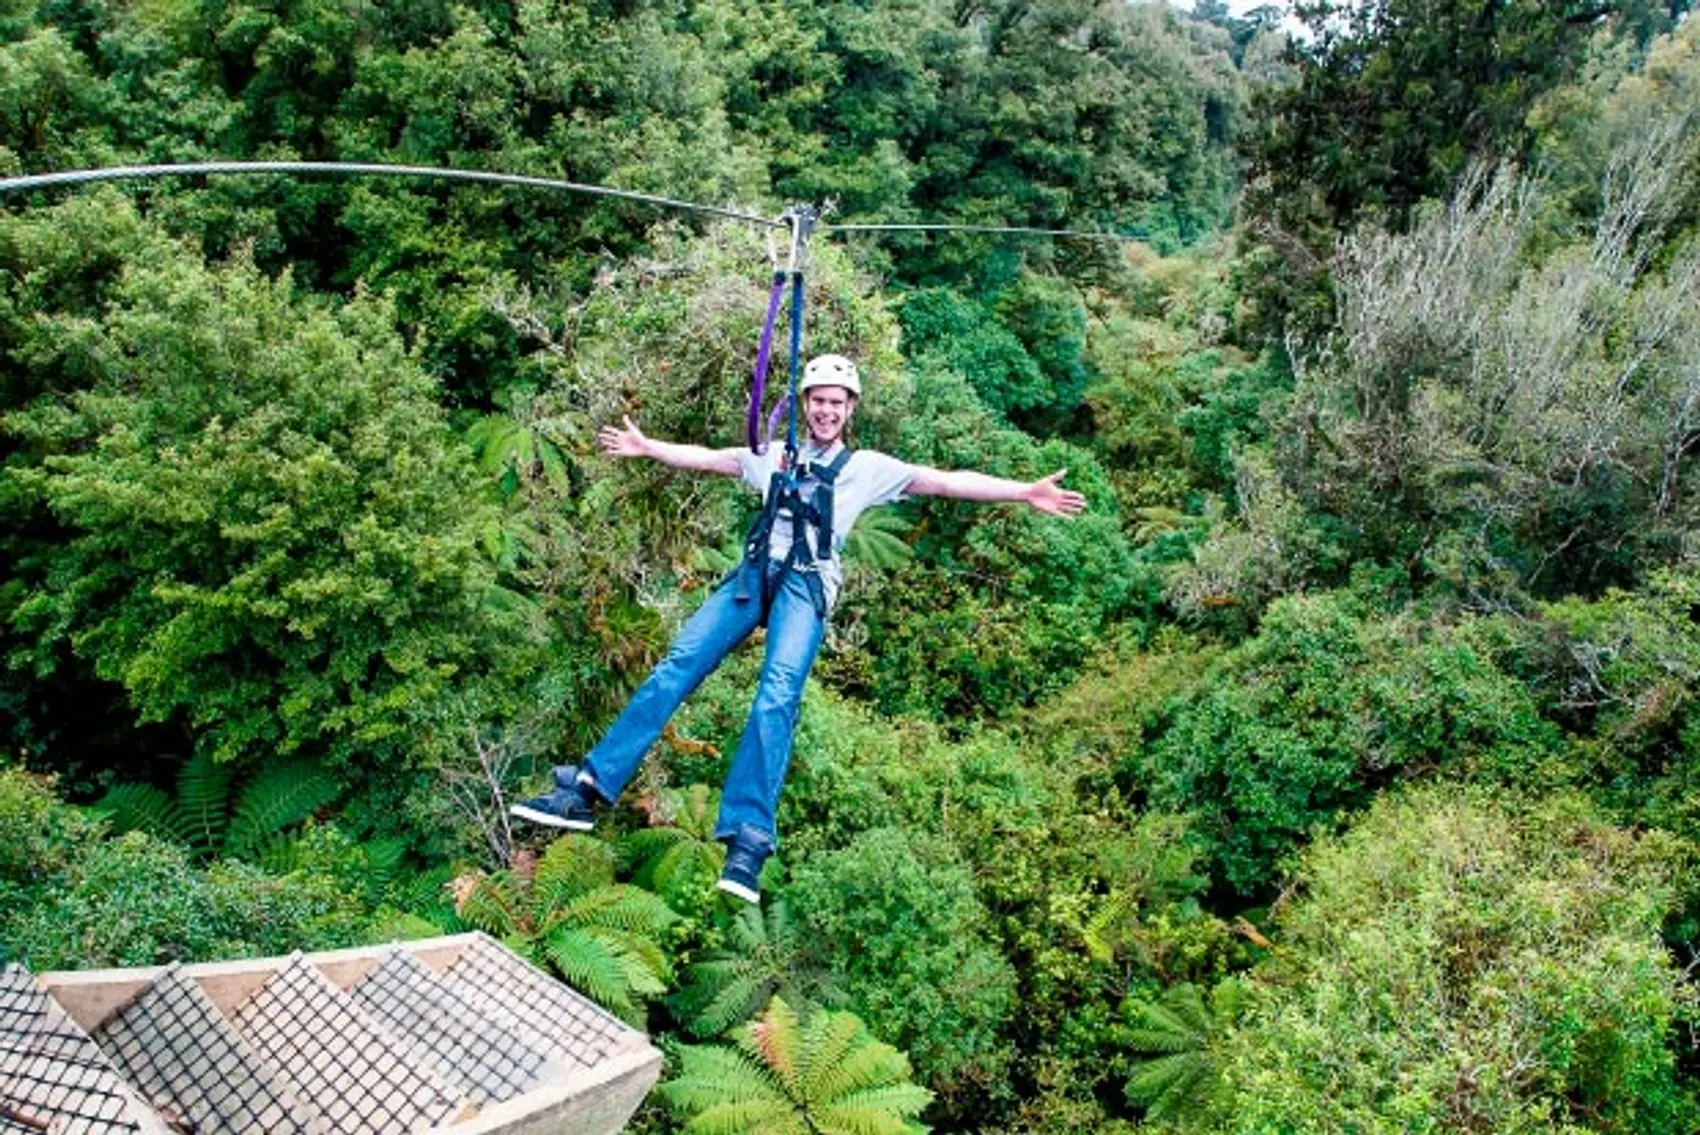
x,y
1046,494
631,442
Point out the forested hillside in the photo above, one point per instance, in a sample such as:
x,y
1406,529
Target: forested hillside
x,y
1338,770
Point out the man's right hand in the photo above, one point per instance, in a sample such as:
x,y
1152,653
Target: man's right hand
x,y
627,442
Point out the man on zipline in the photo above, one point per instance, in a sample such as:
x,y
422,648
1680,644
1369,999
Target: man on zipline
x,y
788,581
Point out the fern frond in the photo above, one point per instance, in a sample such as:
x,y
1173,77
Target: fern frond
x,y
281,855
572,866
427,895
716,1074
696,810
1107,928
775,1039
753,1118
876,541
384,858
874,1065
828,1039
1164,1077
1186,1004
725,1092
279,796
203,803
1227,1001
589,966
138,808
720,998
688,866
876,1111
753,928
1174,1022
642,849
620,907
641,961
494,439
492,906
552,462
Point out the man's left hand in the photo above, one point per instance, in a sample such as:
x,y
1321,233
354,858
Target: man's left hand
x,y
1048,496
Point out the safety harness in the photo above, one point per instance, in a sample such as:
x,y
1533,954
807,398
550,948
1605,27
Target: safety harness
x,y
785,495
785,488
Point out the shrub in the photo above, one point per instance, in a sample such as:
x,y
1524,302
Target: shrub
x,y
1463,960
38,834
1321,708
137,900
897,917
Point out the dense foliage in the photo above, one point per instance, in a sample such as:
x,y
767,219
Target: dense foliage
x,y
1336,770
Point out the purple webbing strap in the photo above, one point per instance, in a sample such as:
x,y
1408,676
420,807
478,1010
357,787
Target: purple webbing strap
x,y
758,387
780,408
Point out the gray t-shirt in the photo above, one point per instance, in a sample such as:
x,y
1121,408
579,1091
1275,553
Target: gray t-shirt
x,y
868,479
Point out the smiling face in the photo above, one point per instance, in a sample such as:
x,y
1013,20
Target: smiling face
x,y
828,410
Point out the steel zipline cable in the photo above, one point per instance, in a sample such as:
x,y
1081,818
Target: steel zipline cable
x,y
365,169
984,230
380,169
801,221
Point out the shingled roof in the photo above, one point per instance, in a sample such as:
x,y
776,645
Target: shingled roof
x,y
455,1035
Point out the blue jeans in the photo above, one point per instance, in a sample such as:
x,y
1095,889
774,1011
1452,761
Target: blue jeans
x,y
794,633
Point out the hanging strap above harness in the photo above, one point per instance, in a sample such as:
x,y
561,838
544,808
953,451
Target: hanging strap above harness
x,y
784,494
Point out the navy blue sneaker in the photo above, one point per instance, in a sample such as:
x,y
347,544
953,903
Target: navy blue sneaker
x,y
746,851
569,805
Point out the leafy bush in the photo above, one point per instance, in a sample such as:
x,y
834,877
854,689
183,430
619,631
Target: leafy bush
x,y
957,334
1510,412
39,835
1319,710
272,529
897,919
135,901
1461,960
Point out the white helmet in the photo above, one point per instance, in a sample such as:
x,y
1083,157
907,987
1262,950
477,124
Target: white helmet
x,y
831,370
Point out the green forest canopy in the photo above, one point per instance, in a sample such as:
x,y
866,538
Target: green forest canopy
x,y
1354,717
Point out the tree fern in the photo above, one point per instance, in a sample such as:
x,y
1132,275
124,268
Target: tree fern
x,y
764,956
876,541
1179,1079
820,1075
679,860
278,796
570,915
200,815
